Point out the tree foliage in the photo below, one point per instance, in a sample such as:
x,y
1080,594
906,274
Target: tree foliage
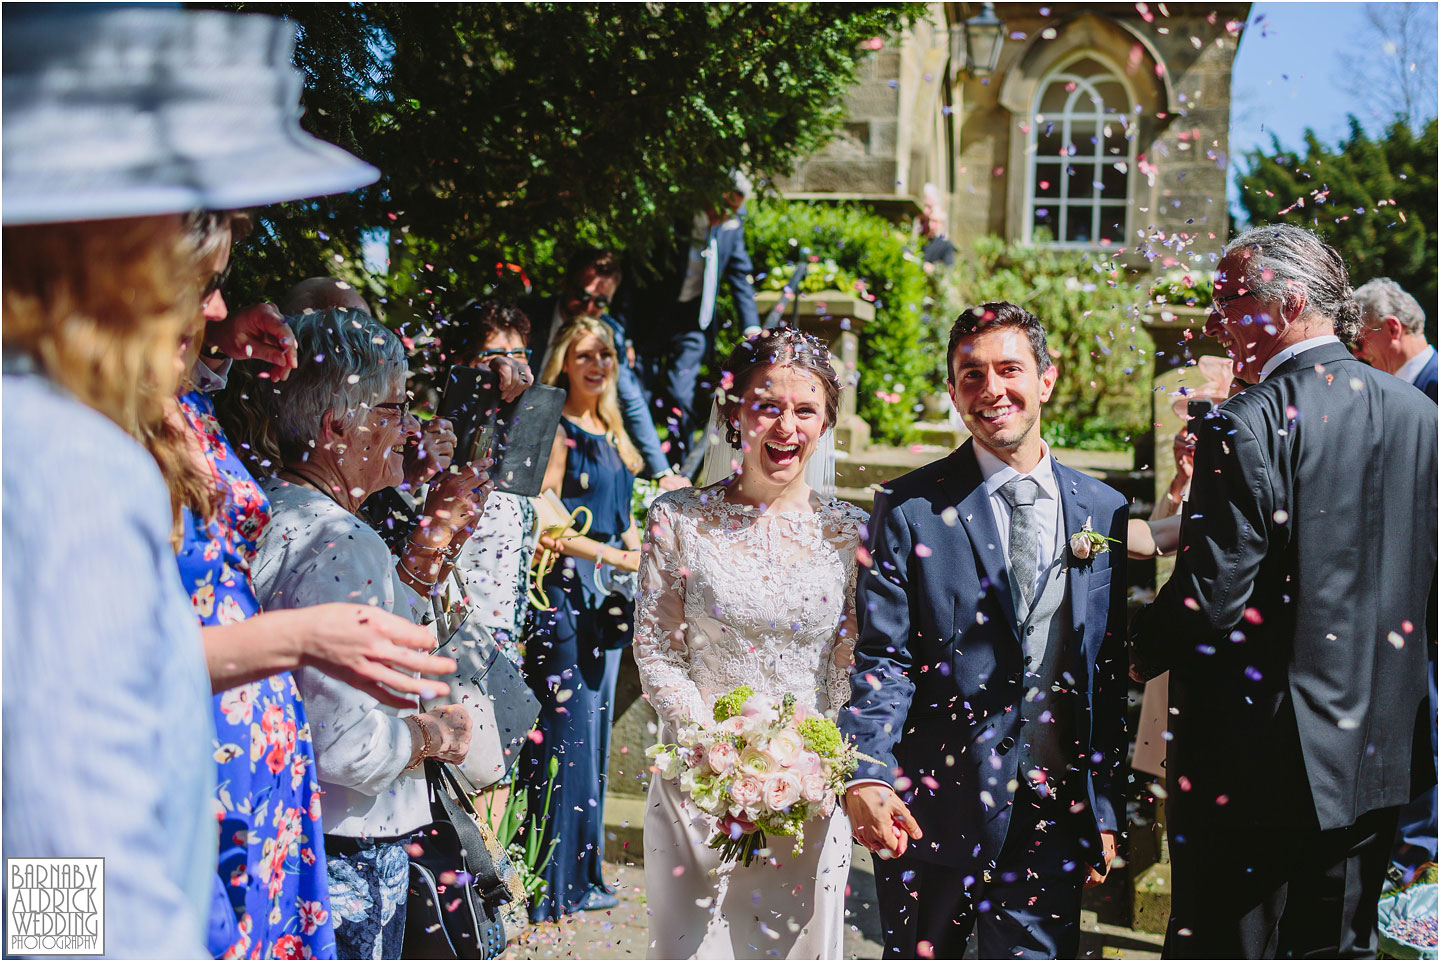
x,y
1391,64
1373,199
516,132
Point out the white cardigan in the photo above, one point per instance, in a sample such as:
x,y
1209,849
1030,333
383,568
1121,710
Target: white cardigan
x,y
314,552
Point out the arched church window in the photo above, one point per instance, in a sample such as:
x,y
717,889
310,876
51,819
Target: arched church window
x,y
1082,156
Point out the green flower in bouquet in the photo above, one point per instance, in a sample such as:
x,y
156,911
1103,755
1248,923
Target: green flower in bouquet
x,y
728,706
821,736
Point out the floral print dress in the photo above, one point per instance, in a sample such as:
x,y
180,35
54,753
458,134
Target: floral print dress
x,y
271,898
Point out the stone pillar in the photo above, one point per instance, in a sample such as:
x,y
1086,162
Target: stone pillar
x,y
837,319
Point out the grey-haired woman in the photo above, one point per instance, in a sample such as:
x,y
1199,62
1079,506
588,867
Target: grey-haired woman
x,y
341,421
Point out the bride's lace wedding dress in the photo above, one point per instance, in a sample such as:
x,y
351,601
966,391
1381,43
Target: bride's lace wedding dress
x,y
730,597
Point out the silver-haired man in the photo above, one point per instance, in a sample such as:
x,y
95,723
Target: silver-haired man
x,y
1392,337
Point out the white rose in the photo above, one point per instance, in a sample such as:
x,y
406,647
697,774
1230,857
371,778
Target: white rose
x,y
787,747
757,761
1080,546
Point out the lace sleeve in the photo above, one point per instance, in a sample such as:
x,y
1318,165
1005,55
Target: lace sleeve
x,y
837,666
660,624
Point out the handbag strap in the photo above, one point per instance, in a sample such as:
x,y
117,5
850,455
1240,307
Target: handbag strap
x,y
457,810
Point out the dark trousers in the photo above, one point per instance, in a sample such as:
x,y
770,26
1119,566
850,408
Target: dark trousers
x,y
676,351
1415,839
1027,908
1264,890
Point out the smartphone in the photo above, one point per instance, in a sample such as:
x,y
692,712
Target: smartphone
x,y
518,435
1198,408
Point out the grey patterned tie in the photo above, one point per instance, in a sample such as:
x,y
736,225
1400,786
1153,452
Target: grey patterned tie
x,y
1020,493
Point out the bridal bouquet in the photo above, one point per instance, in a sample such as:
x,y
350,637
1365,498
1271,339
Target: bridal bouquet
x,y
765,766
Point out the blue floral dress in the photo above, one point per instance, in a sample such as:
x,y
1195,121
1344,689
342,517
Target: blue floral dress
x,y
271,897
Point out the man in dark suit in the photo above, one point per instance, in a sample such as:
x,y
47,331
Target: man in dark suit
x,y
1294,624
674,317
591,279
988,688
1392,335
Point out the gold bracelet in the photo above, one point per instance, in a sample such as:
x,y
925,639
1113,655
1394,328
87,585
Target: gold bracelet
x,y
424,741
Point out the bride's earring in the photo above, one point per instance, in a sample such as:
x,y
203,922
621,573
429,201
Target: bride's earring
x,y
732,435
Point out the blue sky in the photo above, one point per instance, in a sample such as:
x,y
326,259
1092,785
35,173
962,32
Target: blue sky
x,y
1285,73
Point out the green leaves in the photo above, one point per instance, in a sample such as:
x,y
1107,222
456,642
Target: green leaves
x,y
511,130
1373,199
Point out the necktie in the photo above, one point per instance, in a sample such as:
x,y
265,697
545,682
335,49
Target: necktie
x,y
1020,493
711,284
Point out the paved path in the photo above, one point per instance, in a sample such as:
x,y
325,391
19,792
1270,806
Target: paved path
x,y
619,933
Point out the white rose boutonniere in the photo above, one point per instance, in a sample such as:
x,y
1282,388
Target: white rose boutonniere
x,y
1087,542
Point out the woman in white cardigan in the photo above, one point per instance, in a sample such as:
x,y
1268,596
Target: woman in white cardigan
x,y
342,419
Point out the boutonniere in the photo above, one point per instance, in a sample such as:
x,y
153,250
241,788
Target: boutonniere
x,y
1087,542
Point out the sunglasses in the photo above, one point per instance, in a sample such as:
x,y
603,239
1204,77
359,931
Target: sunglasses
x,y
586,299
215,284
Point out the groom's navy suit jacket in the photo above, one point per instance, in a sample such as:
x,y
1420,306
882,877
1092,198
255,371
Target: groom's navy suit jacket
x,y
938,678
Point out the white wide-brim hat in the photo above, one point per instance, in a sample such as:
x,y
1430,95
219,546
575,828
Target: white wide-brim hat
x,y
133,111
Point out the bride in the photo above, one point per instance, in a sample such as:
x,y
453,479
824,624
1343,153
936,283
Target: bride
x,y
750,581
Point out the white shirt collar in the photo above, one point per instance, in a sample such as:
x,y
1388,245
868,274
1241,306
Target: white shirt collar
x,y
1294,349
997,473
1412,367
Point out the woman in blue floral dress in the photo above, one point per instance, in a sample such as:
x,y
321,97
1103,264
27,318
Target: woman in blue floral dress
x,y
271,891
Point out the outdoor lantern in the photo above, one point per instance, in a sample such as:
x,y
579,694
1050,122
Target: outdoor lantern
x,y
975,43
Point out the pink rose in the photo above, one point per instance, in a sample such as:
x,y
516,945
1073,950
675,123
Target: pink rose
x,y
782,790
722,757
746,790
809,764
734,725
812,788
1080,546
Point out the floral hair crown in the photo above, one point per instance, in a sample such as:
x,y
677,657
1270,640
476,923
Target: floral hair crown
x,y
795,339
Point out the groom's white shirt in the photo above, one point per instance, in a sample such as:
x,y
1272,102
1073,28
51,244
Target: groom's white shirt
x,y
1049,531
997,474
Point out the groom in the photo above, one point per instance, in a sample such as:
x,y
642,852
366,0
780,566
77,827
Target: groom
x,y
988,692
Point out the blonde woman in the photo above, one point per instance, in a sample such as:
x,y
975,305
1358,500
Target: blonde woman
x,y
573,657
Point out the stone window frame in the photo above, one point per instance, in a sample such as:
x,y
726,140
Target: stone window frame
x,y
1126,116
1110,41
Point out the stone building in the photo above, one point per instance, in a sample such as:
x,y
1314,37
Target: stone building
x,y
1104,125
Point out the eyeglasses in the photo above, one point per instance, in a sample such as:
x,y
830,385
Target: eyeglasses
x,y
215,284
401,408
1217,306
519,354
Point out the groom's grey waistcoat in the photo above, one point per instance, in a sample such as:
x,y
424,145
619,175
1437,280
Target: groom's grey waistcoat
x,y
1048,723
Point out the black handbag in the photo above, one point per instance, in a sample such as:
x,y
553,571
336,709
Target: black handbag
x,y
450,916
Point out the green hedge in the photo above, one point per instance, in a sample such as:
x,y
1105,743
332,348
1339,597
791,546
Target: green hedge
x,y
854,246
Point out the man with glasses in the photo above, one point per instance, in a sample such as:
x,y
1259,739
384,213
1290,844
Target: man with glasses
x,y
591,279
1294,626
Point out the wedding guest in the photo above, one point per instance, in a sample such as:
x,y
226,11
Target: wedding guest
x,y
592,277
494,562
1392,338
107,737
573,660
322,294
342,418
750,581
673,316
1392,334
1297,662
